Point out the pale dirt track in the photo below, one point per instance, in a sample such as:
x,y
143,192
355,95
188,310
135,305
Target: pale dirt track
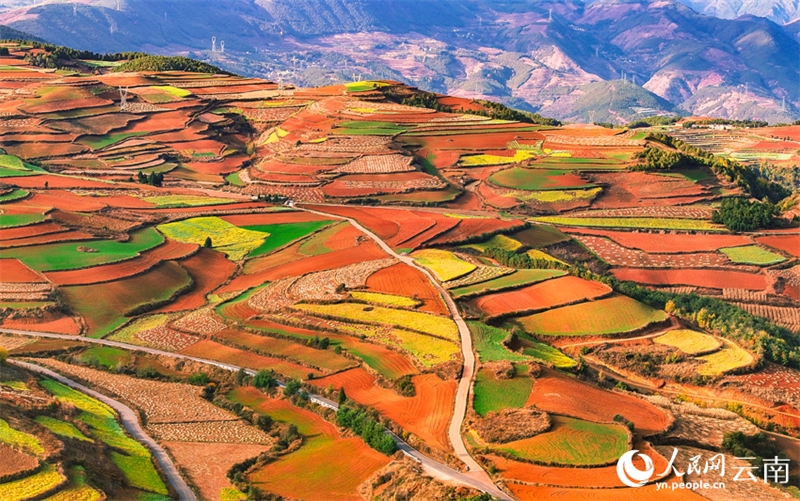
x,y
131,423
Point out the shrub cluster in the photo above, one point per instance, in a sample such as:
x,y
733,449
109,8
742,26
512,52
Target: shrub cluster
x,y
367,427
738,214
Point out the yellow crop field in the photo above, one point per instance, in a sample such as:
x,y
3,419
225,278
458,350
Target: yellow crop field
x,y
689,341
10,436
498,241
385,299
479,160
729,358
415,320
30,487
430,351
234,241
537,254
77,493
175,91
186,200
555,195
632,222
444,264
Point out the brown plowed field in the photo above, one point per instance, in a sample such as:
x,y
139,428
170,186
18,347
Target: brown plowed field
x,y
560,394
14,462
426,415
409,228
384,228
209,269
366,251
13,271
106,273
216,351
666,243
31,230
403,280
473,227
56,182
443,224
66,200
64,236
713,279
787,243
497,140
592,478
541,296
60,325
206,464
646,493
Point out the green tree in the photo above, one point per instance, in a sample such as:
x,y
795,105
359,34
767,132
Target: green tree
x,y
265,379
207,244
292,387
3,355
342,397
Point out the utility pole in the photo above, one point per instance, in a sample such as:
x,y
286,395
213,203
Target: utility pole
x,y
213,44
222,45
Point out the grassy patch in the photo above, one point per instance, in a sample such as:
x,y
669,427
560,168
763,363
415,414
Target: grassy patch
x,y
540,235
16,438
235,180
752,254
572,442
385,299
593,318
140,473
100,142
688,341
493,394
235,242
547,353
33,486
166,201
489,343
538,179
65,256
514,280
105,356
62,428
729,358
175,91
364,86
632,222
14,220
498,241
444,264
13,195
279,235
78,489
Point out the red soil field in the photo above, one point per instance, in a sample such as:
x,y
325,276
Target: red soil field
x,y
67,104
544,295
60,325
593,478
40,150
443,224
467,201
384,228
472,227
164,121
13,271
210,269
219,352
125,202
403,280
410,227
63,236
272,218
130,267
646,493
209,209
345,238
206,464
491,197
225,166
56,182
713,279
426,415
280,177
496,140
66,200
32,230
371,184
787,243
366,251
666,243
560,394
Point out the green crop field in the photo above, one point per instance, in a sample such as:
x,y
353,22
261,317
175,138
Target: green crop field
x,y
62,428
175,91
13,195
538,179
100,142
66,256
444,264
729,357
105,356
16,438
572,442
693,175
498,241
593,318
540,235
688,341
752,254
517,279
33,486
282,234
489,343
632,222
234,241
547,353
166,201
554,196
13,220
493,394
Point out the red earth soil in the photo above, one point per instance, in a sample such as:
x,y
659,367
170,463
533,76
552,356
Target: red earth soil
x,y
225,166
126,202
787,243
61,325
346,237
210,269
63,236
541,296
384,228
403,280
68,104
372,184
426,415
443,224
164,121
557,393
234,206
491,197
467,201
29,151
66,200
647,493
593,478
410,227
472,227
215,351
32,230
13,271
666,243
130,267
713,279
272,218
496,140
57,182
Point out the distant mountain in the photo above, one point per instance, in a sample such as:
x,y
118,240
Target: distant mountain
x,y
7,33
780,11
543,56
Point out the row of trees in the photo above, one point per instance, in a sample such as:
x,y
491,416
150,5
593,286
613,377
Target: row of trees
x,y
168,63
689,124
153,179
492,109
366,425
738,214
514,259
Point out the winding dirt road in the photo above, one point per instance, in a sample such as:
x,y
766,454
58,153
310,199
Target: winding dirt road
x,y
474,470
131,423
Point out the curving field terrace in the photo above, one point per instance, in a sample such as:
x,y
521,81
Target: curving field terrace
x,y
689,341
713,279
666,243
209,269
401,279
541,296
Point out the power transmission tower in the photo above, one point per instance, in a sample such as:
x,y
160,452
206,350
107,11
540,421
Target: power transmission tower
x,y
222,45
550,16
213,44
123,99
117,5
783,104
597,52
